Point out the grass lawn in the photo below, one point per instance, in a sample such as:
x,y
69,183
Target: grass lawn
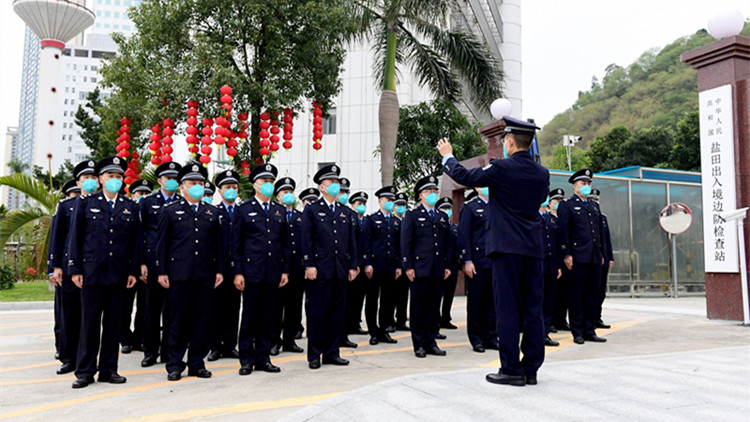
x,y
29,291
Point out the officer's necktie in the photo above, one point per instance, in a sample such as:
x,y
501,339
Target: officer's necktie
x,y
289,216
111,205
265,207
332,210
168,200
387,219
195,209
230,209
432,214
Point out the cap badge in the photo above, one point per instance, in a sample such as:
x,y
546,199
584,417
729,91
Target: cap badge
x,y
268,167
91,164
195,168
333,168
171,165
116,160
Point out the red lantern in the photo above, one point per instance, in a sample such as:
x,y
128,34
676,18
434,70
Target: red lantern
x,y
206,150
226,90
265,152
287,145
205,159
317,126
317,146
231,151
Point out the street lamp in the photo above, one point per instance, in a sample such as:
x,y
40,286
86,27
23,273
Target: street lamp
x,y
726,23
49,162
501,108
569,141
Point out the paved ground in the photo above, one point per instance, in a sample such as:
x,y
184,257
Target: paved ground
x,y
664,360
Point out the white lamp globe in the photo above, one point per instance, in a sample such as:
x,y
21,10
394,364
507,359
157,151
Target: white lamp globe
x,y
725,24
501,107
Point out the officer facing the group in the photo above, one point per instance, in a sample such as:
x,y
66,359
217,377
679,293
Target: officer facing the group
x,y
261,266
329,251
225,310
157,314
552,261
584,254
445,205
289,309
381,252
609,261
517,185
189,264
401,291
480,303
425,243
67,294
103,261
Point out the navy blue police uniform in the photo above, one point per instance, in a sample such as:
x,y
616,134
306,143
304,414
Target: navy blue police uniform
x,y
445,205
581,237
329,245
480,302
156,339
103,248
517,186
189,251
552,263
401,291
357,289
381,249
608,257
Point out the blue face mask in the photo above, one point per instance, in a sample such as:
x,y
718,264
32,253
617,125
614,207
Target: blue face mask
x,y
432,199
266,189
230,194
197,191
486,192
585,190
344,198
545,203
113,185
401,209
505,152
361,209
554,207
138,199
388,206
287,199
207,200
449,212
171,185
89,185
333,189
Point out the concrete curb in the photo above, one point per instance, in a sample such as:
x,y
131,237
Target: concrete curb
x,y
26,306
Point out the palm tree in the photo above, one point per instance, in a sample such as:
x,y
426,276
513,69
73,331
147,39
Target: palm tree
x,y
37,217
449,61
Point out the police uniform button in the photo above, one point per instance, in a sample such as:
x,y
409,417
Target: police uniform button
x,y
334,231
196,252
269,242
110,254
196,229
435,243
269,254
196,240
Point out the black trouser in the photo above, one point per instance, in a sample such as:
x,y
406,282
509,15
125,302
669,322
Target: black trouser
x,y
449,291
550,296
190,316
379,292
157,317
401,301
102,309
70,320
518,285
583,298
425,311
136,336
325,305
258,314
225,316
603,288
57,329
560,316
355,300
480,309
289,310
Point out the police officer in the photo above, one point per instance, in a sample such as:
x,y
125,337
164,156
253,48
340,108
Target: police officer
x,y
225,309
209,190
133,339
401,290
584,254
261,266
480,303
445,205
329,250
609,260
189,264
425,250
381,252
356,290
289,309
103,261
157,315
309,195
517,185
552,261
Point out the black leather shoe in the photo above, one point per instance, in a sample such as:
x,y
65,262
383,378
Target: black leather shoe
x,y
268,367
386,338
231,354
531,380
439,336
174,376
436,351
492,346
200,373
65,368
314,364
603,325
148,361
578,340
390,329
292,348
214,356
448,326
549,342
112,378
83,382
274,350
348,343
298,336
337,361
552,329
403,328
420,353
246,370
595,339
126,349
478,348
500,378
374,341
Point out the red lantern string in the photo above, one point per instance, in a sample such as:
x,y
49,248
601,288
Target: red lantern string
x,y
288,127
317,126
192,129
155,145
123,138
206,141
233,143
167,141
245,167
264,134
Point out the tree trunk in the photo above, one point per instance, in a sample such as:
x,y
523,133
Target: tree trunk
x,y
388,124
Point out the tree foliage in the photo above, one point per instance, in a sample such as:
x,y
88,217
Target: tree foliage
x,y
89,119
578,159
